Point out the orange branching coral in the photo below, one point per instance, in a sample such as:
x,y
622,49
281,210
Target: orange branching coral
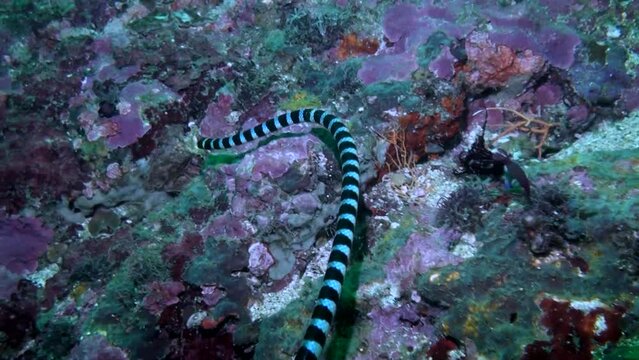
x,y
350,45
527,124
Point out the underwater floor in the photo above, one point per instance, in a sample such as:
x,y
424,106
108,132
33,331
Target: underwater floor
x,y
497,173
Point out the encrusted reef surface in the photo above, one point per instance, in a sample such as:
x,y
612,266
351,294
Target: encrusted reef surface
x,y
499,152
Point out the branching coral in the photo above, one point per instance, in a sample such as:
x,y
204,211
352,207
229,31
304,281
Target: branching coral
x,y
529,124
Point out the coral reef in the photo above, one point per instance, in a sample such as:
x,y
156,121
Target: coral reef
x,y
120,239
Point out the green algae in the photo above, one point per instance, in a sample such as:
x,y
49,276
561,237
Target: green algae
x,y
626,349
501,284
57,335
301,100
215,160
388,89
429,50
122,298
385,248
22,16
280,334
275,40
195,194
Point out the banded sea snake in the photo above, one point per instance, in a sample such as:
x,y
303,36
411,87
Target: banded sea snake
x,y
326,305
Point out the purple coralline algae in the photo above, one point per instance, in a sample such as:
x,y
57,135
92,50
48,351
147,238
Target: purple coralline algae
x,y
230,227
407,26
443,66
215,122
260,259
211,295
388,67
161,295
396,331
22,241
275,159
97,347
557,46
420,254
123,123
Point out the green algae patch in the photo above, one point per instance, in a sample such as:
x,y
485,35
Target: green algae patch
x,y
602,184
626,349
499,289
301,100
280,334
385,248
122,298
216,160
275,40
195,194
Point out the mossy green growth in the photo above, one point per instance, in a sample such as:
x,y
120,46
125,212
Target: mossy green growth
x,y
195,194
429,50
280,334
57,335
214,160
498,289
275,40
156,95
164,19
339,79
301,100
22,16
388,89
614,176
30,64
94,151
626,349
216,264
386,247
123,297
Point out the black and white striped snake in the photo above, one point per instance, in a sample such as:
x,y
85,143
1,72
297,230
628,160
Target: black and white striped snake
x,y
326,305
